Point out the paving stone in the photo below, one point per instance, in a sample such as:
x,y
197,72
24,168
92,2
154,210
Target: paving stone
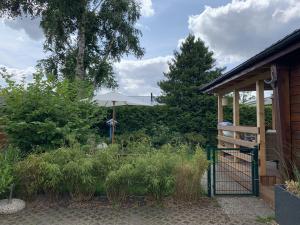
x,y
204,212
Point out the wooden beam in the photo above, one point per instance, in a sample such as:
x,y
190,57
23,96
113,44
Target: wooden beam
x,y
273,114
220,109
237,154
239,142
283,114
261,137
241,129
236,113
220,114
240,84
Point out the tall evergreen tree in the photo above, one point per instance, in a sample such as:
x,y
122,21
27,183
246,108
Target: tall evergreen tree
x,y
83,37
192,67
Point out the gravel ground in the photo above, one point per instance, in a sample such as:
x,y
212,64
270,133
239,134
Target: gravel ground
x,y
220,211
14,206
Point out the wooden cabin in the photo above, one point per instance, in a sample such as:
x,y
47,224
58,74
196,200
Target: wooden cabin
x,y
277,70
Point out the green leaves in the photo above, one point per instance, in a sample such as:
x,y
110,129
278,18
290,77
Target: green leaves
x,y
91,34
77,173
6,177
46,113
192,67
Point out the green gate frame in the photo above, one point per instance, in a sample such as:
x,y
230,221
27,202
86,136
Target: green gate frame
x,y
211,172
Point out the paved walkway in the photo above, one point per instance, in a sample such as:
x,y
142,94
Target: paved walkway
x,y
245,208
205,212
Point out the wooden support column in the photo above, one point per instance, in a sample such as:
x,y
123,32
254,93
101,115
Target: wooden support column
x,y
236,113
283,115
261,137
220,114
273,113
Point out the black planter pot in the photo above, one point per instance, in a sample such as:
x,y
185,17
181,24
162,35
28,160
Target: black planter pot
x,y
287,207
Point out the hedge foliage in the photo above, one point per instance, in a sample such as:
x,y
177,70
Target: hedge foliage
x,y
164,124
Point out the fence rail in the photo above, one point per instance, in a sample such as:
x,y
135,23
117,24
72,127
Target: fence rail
x,y
234,140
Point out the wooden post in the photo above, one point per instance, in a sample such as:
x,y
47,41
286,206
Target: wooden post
x,y
220,115
273,113
236,113
261,137
113,123
283,116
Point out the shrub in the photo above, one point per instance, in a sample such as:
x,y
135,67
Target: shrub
x,y
117,183
150,173
29,175
105,161
79,179
73,171
293,187
65,169
52,178
194,139
133,137
158,174
6,177
47,114
188,175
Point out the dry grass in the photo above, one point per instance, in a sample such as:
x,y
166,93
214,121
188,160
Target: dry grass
x,y
188,177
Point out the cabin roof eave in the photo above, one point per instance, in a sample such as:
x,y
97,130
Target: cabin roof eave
x,y
281,48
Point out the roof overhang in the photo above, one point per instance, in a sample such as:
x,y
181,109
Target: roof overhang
x,y
258,65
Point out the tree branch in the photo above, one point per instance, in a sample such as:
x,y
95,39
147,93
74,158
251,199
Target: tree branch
x,y
98,5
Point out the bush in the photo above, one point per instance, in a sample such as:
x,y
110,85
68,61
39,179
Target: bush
x,y
105,161
159,173
188,175
79,179
8,157
118,182
30,175
151,174
63,170
194,139
47,114
293,186
6,177
145,171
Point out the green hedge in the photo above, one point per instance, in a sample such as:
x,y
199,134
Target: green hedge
x,y
160,120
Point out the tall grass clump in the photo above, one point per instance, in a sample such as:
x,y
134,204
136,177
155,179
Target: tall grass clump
x,y
293,186
188,175
140,171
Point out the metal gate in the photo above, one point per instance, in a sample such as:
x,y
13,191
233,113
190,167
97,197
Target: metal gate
x,y
233,171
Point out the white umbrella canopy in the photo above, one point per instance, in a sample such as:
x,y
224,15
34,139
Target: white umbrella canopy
x,y
116,99
113,99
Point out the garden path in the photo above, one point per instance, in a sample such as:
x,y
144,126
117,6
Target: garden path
x,y
205,212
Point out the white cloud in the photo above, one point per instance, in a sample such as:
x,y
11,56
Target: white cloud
x,y
19,75
147,9
17,49
30,26
242,28
180,42
140,77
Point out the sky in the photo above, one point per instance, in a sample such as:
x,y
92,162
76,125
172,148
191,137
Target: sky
x,y
233,29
